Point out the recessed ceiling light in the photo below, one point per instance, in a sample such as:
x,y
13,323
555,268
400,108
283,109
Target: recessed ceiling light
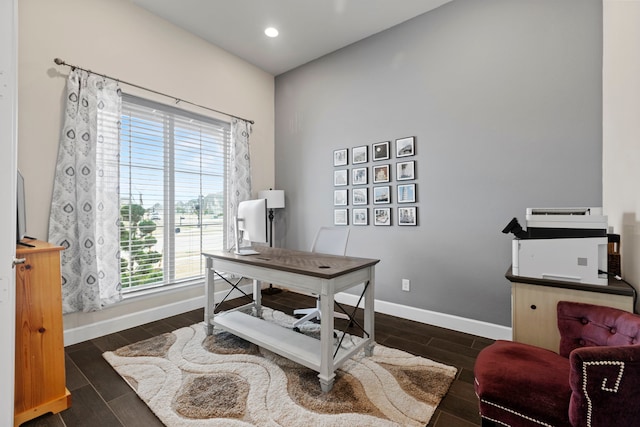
x,y
271,32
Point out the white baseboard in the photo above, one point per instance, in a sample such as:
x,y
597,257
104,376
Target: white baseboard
x,y
105,324
448,321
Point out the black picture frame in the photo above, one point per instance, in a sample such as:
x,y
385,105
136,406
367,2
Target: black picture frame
x,y
406,171
380,151
359,154
359,176
406,193
341,177
341,217
341,197
382,195
406,146
381,173
360,216
340,157
382,216
408,215
360,196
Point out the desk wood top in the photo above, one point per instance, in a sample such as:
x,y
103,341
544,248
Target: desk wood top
x,y
306,263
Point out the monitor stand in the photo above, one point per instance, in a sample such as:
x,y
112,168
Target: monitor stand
x,y
29,245
238,236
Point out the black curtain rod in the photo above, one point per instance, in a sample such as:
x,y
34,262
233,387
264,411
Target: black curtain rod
x,y
59,61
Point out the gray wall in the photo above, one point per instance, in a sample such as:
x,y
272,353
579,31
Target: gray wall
x,y
504,99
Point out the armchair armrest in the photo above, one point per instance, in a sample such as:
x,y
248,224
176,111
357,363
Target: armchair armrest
x,y
605,385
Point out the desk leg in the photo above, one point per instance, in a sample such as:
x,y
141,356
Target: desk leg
x,y
369,312
209,291
327,374
257,298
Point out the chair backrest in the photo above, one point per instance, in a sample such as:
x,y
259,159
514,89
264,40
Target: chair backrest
x,y
588,325
331,240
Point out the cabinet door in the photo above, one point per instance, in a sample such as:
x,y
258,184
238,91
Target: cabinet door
x,y
40,370
534,311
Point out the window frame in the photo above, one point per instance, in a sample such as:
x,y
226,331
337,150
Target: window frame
x,y
169,169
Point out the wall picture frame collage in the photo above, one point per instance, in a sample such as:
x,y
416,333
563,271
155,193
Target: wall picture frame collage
x,y
368,183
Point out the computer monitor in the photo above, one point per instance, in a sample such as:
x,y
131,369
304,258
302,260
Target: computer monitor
x,y
21,223
250,225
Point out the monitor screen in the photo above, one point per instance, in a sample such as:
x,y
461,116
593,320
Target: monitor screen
x,y
21,227
251,222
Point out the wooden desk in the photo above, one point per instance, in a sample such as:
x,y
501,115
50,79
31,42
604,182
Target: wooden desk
x,y
534,318
320,274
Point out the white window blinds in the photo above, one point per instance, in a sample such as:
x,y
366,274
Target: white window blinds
x,y
173,167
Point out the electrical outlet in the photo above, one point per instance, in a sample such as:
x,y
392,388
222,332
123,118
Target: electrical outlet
x,y
406,285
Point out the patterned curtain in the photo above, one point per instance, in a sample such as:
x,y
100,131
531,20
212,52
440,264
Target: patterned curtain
x,y
239,179
85,212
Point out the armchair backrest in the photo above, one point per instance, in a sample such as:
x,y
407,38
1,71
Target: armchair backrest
x,y
588,325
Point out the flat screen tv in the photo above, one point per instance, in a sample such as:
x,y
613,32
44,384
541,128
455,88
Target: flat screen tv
x,y
250,225
21,228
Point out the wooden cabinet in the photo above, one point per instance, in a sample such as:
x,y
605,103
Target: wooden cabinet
x,y
39,364
534,317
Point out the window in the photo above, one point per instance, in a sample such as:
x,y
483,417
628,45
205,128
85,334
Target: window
x,y
173,167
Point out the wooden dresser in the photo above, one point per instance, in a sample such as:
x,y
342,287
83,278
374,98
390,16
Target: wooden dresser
x,y
534,316
39,365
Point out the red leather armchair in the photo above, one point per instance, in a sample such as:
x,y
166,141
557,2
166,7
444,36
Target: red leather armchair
x,y
594,381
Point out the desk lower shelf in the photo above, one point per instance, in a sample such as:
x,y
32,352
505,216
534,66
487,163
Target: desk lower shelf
x,y
293,345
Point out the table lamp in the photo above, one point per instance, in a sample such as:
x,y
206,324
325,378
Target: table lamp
x,y
275,200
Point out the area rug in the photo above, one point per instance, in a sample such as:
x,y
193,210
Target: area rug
x,y
189,379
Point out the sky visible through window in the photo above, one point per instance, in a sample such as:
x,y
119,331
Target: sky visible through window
x,y
174,168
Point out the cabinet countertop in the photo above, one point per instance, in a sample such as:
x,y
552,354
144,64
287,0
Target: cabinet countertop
x,y
36,246
617,287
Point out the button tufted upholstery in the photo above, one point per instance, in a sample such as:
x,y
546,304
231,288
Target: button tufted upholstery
x,y
594,380
587,325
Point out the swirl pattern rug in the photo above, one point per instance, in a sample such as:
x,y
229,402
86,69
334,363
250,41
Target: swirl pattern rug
x,y
189,379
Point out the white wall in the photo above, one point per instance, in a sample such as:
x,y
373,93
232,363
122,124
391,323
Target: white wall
x,y
8,140
117,38
621,133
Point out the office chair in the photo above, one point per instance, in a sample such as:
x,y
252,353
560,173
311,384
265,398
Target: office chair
x,y
332,241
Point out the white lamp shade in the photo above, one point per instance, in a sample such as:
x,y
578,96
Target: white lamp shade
x,y
275,198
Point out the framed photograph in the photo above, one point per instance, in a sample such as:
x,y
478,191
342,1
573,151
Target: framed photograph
x,y
405,170
406,193
340,177
381,195
408,216
405,147
359,176
382,216
360,216
340,157
359,154
340,198
359,196
380,151
381,174
341,217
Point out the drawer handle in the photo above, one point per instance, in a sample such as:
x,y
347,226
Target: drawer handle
x,y
533,307
42,330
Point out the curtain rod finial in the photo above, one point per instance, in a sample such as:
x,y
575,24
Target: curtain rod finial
x,y
58,61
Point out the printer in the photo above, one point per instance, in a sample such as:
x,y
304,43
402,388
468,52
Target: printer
x,y
565,244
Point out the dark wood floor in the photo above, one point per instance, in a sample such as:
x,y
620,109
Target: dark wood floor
x,y
101,398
